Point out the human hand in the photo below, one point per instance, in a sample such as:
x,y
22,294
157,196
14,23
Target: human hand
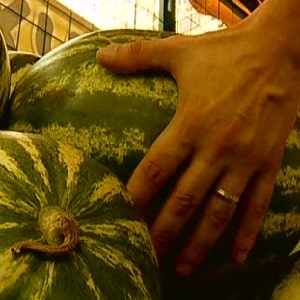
x,y
238,99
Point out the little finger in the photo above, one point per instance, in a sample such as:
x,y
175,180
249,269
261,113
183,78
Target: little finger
x,y
253,215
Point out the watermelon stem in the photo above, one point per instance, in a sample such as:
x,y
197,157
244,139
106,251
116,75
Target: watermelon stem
x,y
60,233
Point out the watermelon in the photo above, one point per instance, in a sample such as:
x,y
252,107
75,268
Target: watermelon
x,y
67,96
20,62
289,287
68,228
4,76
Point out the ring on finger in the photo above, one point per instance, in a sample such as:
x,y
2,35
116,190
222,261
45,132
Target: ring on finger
x,y
227,197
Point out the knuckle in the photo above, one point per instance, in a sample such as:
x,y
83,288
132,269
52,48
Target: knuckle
x,y
233,138
246,239
250,150
154,173
135,47
224,145
228,139
183,204
259,211
250,155
189,126
218,217
161,241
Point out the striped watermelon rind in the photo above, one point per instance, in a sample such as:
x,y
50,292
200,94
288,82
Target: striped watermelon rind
x,y
289,286
20,62
114,119
115,258
67,90
4,76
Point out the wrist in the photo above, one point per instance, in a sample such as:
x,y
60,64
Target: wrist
x,y
276,24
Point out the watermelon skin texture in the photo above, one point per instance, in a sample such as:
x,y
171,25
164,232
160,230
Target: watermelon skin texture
x,y
20,62
68,96
20,59
114,259
4,77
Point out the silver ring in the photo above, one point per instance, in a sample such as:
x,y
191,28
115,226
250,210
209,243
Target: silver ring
x,y
227,196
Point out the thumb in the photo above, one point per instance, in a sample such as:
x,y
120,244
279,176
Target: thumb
x,y
140,55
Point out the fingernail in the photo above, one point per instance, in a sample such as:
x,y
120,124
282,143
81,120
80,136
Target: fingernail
x,y
184,269
240,256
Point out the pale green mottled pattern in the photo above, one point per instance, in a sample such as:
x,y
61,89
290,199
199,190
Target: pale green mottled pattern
x,y
10,225
293,139
18,205
96,139
90,78
72,159
102,230
11,269
52,59
35,155
85,272
132,140
95,79
115,259
104,191
84,84
53,84
11,166
40,276
93,139
296,249
15,77
281,222
289,179
43,284
289,288
107,188
4,74
21,127
138,234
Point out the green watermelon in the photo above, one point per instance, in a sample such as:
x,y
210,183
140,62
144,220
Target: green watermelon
x,y
67,96
4,76
289,287
68,228
20,62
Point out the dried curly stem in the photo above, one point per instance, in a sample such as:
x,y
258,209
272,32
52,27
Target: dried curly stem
x,y
59,229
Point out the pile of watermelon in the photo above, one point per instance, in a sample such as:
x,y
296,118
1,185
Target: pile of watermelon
x,y
71,135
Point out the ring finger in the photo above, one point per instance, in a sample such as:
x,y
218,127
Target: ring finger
x,y
182,203
214,220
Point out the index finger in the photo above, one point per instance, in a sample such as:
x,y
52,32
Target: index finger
x,y
163,159
137,56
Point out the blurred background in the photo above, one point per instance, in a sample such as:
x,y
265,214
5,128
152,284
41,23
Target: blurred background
x,y
40,25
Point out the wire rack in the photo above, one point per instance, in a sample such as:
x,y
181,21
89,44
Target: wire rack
x,y
40,25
